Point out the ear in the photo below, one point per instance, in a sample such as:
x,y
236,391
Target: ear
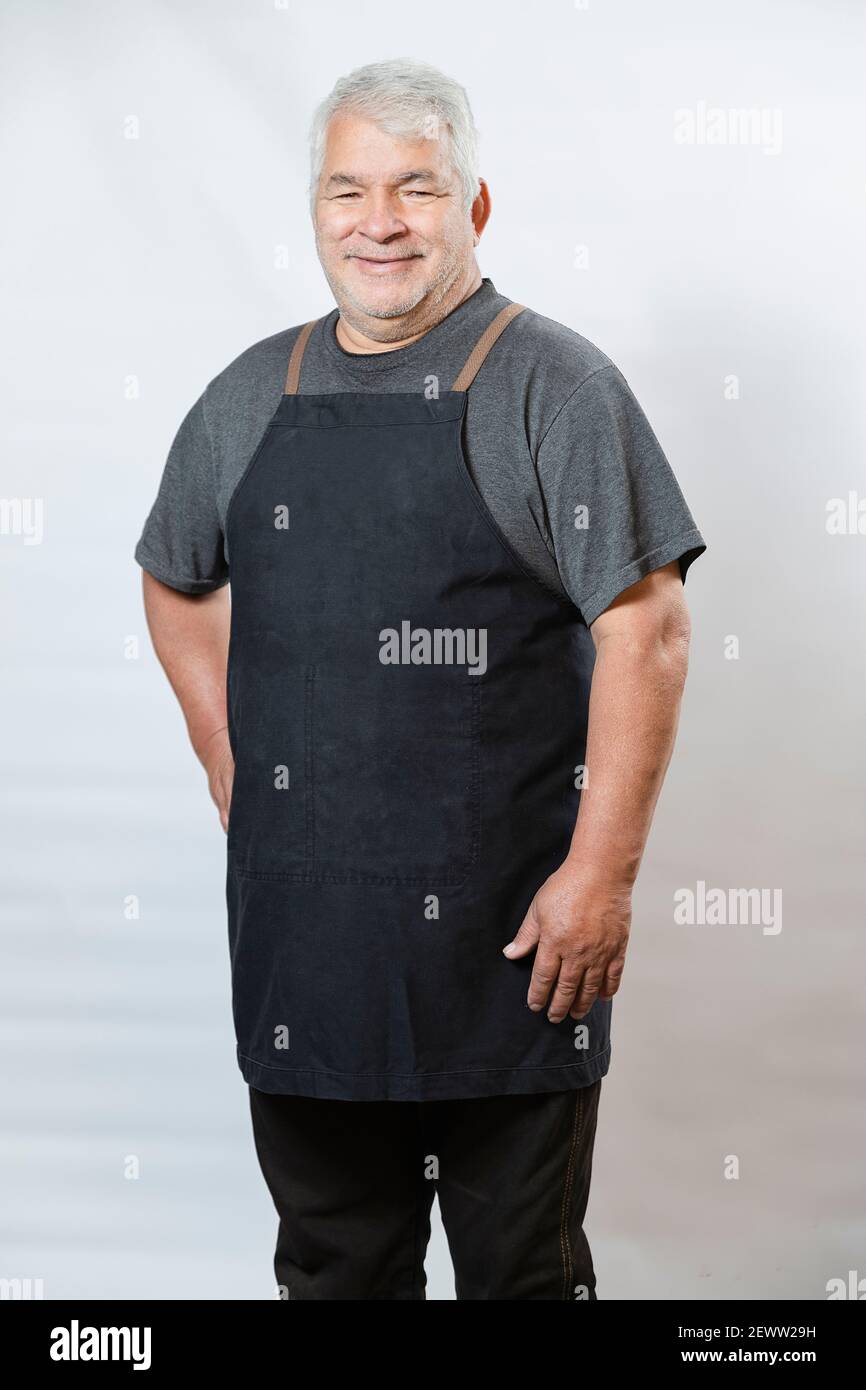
x,y
480,211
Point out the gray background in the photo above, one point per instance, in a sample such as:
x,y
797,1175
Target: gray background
x,y
158,259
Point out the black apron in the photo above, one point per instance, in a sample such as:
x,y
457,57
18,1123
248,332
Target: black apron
x,y
407,709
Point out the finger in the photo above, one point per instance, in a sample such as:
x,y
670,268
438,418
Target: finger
x,y
544,975
612,979
567,986
526,938
588,994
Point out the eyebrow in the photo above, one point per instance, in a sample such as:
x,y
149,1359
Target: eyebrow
x,y
343,180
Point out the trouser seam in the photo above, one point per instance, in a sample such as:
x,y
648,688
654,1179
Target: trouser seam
x,y
418,1189
564,1236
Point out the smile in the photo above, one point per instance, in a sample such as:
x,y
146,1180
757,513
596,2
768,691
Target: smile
x,y
379,266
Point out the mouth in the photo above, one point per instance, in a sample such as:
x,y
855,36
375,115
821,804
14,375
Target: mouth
x,y
382,265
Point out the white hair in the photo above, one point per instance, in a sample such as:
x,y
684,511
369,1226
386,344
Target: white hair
x,y
411,101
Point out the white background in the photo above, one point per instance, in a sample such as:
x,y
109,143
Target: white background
x,y
157,260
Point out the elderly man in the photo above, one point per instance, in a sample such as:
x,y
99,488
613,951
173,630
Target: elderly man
x,y
435,719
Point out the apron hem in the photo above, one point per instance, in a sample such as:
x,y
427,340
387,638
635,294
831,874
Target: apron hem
x,y
422,1086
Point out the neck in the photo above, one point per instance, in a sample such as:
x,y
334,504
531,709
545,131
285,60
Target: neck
x,y
355,331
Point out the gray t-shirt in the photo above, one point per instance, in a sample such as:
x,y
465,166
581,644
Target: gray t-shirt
x,y
555,442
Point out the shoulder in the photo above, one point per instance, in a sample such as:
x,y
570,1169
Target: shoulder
x,y
565,353
268,354
557,367
257,374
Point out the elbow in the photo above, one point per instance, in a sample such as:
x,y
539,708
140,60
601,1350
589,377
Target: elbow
x,y
673,640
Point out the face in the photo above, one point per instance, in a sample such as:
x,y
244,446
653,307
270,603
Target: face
x,y
391,232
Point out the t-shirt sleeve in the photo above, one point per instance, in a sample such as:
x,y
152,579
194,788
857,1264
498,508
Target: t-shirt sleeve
x,y
182,540
614,507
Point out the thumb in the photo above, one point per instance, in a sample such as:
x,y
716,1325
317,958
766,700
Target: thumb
x,y
526,938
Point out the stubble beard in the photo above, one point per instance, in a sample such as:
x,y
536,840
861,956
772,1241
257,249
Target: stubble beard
x,y
430,294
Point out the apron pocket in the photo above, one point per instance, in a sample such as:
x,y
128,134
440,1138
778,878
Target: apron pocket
x,y
395,776
269,815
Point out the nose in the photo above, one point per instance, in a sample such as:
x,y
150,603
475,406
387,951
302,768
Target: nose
x,y
380,217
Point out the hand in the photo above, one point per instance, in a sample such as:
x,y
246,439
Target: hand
x,y
580,924
216,757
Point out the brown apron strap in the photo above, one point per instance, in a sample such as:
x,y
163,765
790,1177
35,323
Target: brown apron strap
x,y
293,375
484,344
464,378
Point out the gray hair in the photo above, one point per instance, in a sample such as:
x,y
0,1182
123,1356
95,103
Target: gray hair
x,y
411,101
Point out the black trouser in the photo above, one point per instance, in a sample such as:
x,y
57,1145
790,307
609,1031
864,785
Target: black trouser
x,y
353,1183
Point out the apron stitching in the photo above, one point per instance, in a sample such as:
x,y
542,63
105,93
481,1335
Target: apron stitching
x,y
309,697
564,1239
475,767
403,424
351,877
424,1075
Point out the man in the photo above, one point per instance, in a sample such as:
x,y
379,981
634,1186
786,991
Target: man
x,y
456,555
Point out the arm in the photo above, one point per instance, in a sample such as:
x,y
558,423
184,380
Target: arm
x,y
190,634
580,918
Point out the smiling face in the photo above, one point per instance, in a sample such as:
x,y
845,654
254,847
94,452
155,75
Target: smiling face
x,y
392,236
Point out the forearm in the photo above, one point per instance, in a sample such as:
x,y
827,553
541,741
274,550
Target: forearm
x,y
634,709
190,634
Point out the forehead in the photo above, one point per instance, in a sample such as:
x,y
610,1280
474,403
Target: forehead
x,y
357,146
